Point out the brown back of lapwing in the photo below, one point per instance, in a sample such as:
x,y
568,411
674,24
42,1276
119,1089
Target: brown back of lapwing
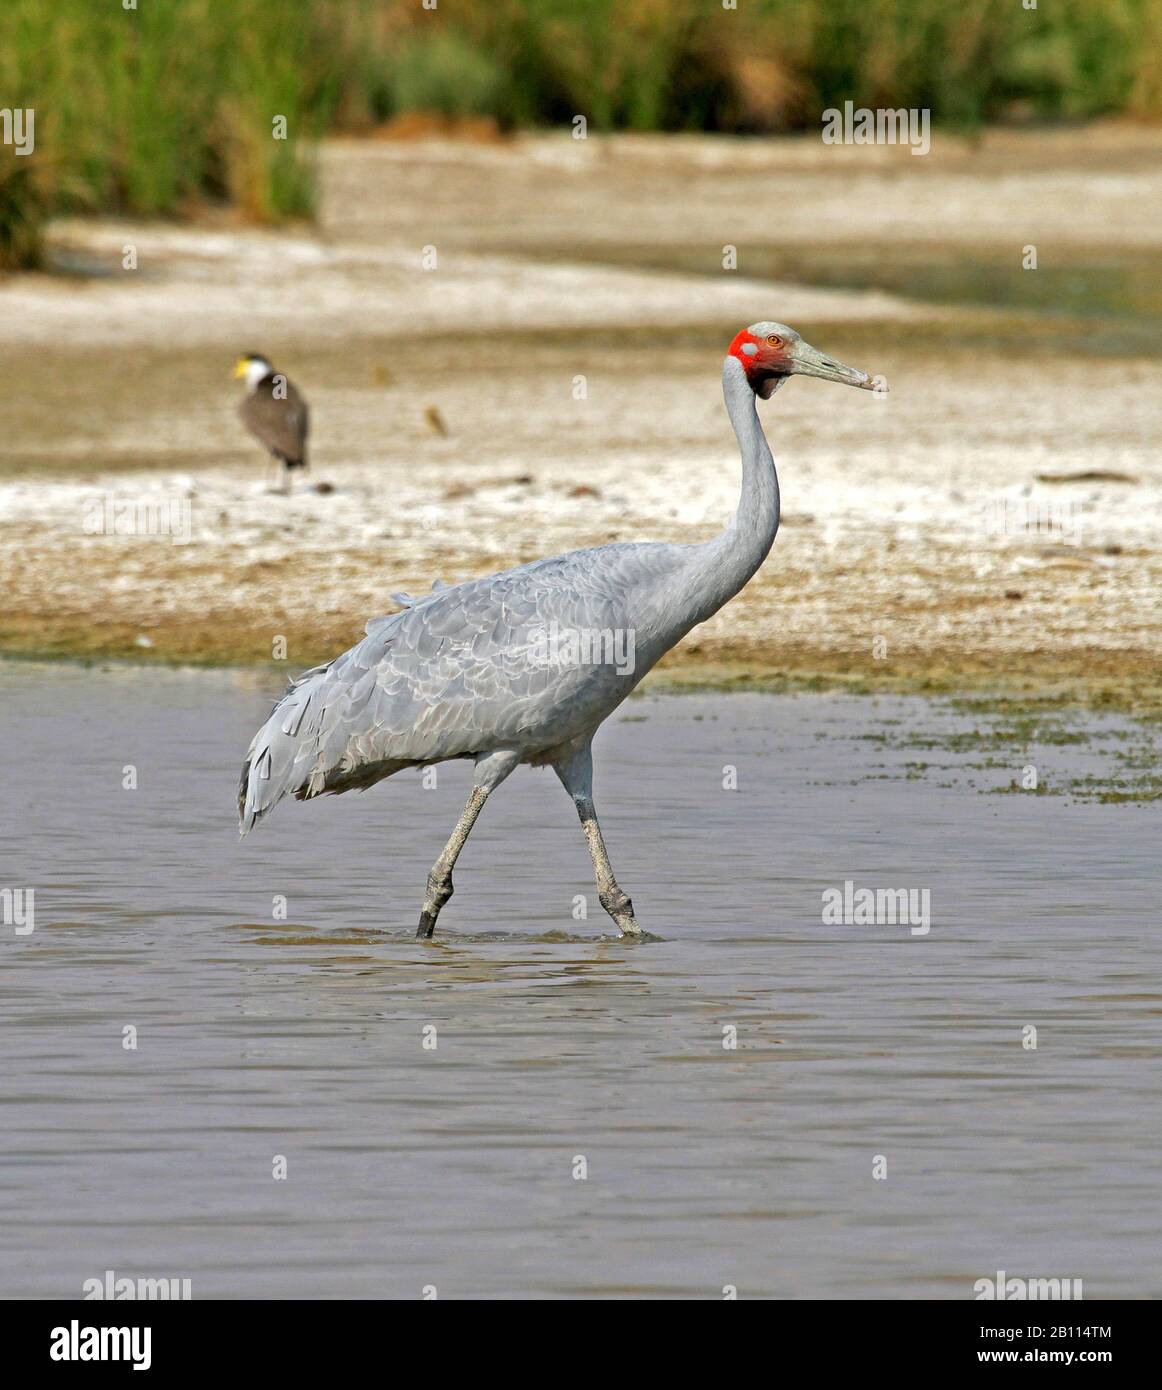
x,y
278,417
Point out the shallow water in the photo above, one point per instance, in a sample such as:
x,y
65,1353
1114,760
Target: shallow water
x,y
1118,293
707,1167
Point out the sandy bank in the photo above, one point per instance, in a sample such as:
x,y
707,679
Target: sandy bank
x,y
921,542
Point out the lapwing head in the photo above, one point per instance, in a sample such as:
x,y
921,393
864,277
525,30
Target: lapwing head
x,y
253,367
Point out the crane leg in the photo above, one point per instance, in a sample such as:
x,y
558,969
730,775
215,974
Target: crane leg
x,y
490,772
576,774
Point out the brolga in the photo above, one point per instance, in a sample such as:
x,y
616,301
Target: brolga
x,y
524,666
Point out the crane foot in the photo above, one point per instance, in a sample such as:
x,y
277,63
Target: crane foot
x,y
620,908
427,926
439,891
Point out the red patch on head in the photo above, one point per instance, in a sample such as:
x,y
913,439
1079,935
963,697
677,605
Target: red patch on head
x,y
767,363
757,364
735,349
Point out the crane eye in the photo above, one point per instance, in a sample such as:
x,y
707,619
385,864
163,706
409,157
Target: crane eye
x,y
775,340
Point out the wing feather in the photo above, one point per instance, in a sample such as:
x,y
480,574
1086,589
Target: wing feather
x,y
456,674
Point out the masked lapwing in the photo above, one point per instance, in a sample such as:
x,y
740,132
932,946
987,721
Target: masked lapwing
x,y
275,413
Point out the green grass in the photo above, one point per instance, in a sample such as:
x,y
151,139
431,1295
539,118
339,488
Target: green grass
x,y
157,110
160,109
769,65
21,212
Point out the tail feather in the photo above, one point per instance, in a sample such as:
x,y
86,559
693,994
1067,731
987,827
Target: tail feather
x,y
281,753
308,746
330,732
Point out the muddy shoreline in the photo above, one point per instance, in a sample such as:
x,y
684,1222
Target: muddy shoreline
x,y
993,526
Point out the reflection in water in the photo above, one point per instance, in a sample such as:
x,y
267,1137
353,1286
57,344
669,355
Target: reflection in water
x,y
304,1035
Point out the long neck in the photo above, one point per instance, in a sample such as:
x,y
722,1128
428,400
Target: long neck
x,y
723,565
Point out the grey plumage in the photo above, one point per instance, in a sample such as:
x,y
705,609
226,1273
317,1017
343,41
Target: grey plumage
x,y
460,671
465,671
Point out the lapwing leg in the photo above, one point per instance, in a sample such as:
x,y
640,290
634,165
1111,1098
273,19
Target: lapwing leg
x,y
490,772
576,775
275,480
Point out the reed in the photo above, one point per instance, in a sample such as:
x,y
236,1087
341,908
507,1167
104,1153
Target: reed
x,y
161,109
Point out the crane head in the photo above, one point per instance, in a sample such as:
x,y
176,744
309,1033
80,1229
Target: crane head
x,y
771,352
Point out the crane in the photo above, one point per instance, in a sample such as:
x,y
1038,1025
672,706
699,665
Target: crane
x,y
524,666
